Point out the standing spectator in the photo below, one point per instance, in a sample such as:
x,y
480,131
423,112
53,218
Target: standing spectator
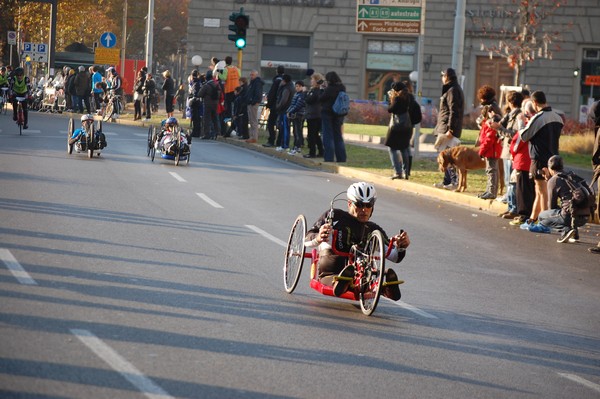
x,y
524,186
284,99
400,129
82,89
254,98
70,90
542,133
195,102
230,76
313,117
488,142
240,107
449,122
149,93
594,115
169,88
180,96
138,94
507,127
295,113
210,93
272,106
97,91
331,124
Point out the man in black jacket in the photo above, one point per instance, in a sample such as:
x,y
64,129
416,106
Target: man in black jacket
x,y
271,104
449,122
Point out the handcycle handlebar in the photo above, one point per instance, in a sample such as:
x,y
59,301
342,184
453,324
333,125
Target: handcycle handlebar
x,y
21,99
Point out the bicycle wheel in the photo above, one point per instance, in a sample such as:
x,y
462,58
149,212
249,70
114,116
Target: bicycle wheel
x,y
108,112
372,278
150,143
177,148
294,254
70,130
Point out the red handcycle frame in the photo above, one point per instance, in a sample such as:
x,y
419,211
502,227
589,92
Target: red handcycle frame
x,y
368,262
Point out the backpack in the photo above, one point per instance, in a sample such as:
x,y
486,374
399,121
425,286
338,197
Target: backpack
x,y
414,110
583,199
341,105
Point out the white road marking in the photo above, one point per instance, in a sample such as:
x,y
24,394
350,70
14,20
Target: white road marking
x,y
267,235
412,308
581,381
15,268
110,133
176,176
141,134
31,131
122,366
208,200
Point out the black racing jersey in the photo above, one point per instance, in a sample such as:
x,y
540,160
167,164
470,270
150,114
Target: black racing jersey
x,y
347,229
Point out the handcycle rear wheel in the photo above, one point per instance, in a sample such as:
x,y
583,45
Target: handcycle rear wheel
x,y
150,143
177,148
153,149
294,254
91,141
372,279
70,130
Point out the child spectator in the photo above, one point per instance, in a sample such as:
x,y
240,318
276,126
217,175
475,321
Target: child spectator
x,y
295,114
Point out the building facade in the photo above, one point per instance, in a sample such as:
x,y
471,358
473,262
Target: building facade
x,y
368,54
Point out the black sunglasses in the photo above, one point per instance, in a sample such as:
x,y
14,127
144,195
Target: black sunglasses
x,y
360,204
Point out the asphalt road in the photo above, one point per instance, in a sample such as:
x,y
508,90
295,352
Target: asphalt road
x,y
124,278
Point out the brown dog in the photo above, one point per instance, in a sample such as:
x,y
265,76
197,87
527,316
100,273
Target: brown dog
x,y
464,159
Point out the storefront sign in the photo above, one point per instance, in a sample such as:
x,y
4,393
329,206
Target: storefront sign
x,y
592,80
285,64
390,62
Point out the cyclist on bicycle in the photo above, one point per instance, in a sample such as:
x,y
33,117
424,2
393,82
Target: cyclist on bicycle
x,y
352,227
3,85
20,86
80,134
165,137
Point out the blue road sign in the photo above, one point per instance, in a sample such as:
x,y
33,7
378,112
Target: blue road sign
x,y
108,39
41,48
27,47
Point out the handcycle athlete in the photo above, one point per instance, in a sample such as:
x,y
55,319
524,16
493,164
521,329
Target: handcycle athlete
x,y
349,228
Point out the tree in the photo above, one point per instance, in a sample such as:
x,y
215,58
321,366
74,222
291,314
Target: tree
x,y
525,33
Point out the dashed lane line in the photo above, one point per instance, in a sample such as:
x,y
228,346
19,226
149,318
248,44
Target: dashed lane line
x,y
209,201
267,235
581,381
176,176
15,268
122,366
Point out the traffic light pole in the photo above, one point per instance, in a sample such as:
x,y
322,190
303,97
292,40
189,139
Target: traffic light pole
x,y
240,52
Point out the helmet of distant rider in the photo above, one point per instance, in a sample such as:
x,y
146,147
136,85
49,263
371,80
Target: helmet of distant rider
x,y
87,117
19,71
3,69
172,121
362,192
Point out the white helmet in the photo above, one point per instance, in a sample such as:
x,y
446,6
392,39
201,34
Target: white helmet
x,y
362,192
87,117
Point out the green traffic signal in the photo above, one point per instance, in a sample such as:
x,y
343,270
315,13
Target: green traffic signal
x,y
239,26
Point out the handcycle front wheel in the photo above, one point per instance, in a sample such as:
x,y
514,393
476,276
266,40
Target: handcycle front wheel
x,y
373,273
294,254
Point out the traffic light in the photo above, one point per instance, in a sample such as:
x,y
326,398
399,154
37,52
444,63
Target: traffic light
x,y
240,24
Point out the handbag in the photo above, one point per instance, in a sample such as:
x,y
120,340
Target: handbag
x,y
402,120
136,96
